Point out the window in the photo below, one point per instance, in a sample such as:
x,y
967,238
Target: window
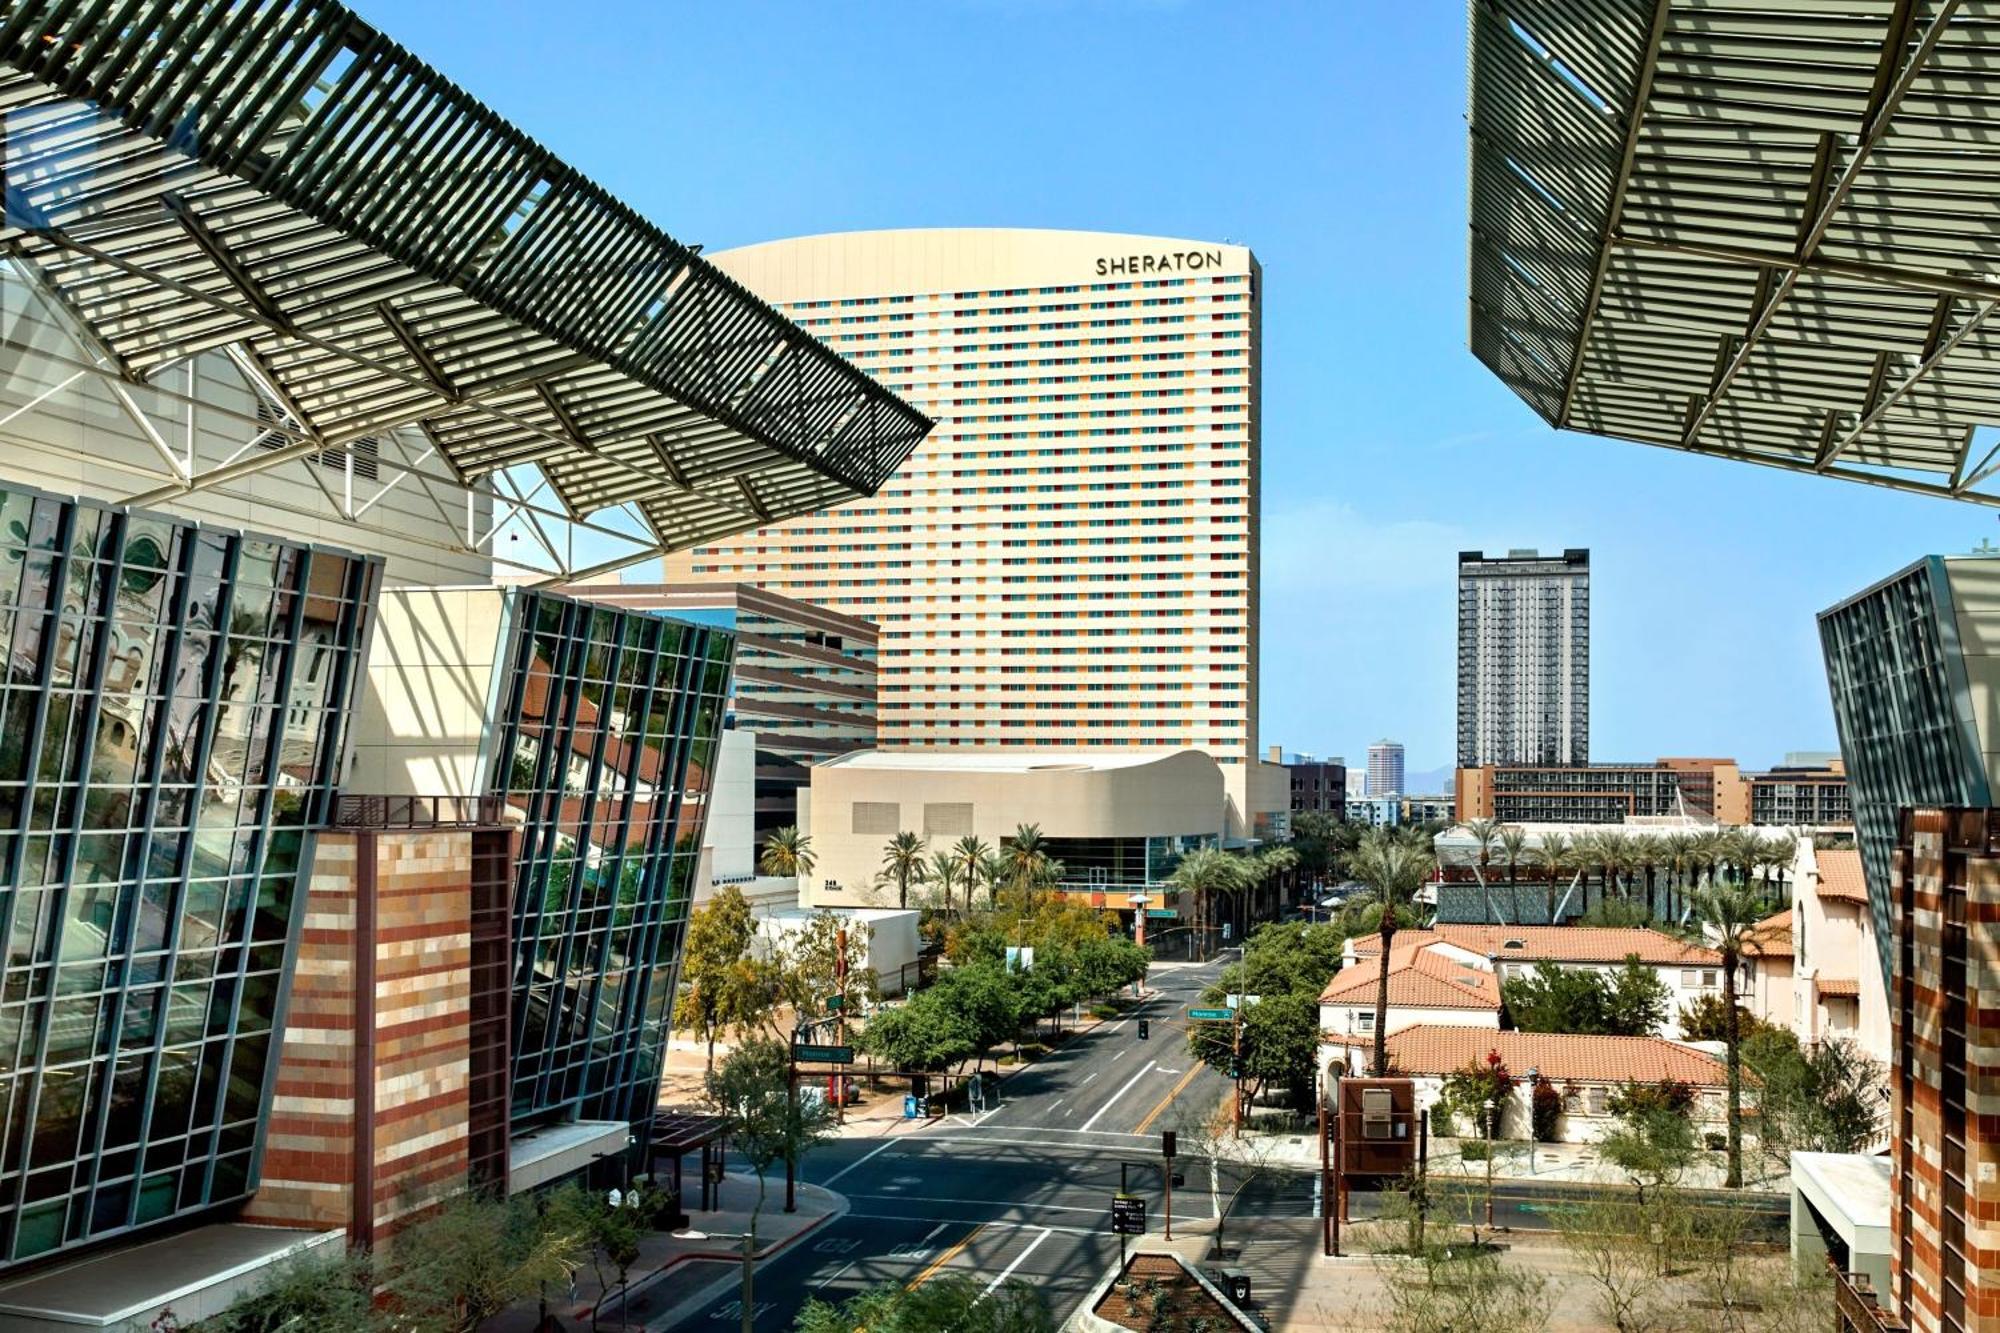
x,y
1596,1100
1364,1020
947,818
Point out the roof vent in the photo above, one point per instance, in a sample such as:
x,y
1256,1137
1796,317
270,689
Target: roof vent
x,y
1515,944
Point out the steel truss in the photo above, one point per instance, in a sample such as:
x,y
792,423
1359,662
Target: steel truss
x,y
1746,231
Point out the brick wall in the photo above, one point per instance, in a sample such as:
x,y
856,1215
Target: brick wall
x,y
1945,1116
375,1109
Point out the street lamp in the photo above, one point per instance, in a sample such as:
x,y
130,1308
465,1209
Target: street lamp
x,y
749,1239
1534,1082
1492,1123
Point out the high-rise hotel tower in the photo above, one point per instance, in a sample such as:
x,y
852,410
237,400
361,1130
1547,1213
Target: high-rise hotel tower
x,y
1071,558
1523,658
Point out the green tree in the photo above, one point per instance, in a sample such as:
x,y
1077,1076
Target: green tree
x,y
973,854
720,988
1484,833
1202,874
1556,859
1628,1002
1472,1089
787,852
1026,858
767,1125
1732,912
473,1258
1705,1018
825,957
1824,1098
312,1294
903,860
945,1304
1513,851
610,1235
986,998
1654,1139
1636,1000
924,1034
1393,870
944,870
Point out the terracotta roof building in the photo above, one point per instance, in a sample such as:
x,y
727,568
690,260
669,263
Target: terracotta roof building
x,y
1419,978
1553,944
1563,1057
1840,876
1771,937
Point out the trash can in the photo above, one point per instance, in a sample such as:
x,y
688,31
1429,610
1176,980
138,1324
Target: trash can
x,y
912,1107
1239,1285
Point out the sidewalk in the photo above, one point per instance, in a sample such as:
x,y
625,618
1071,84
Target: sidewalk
x,y
672,1272
1555,1162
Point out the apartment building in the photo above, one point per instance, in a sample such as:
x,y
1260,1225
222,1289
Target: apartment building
x,y
1523,658
1385,768
1707,789
1070,560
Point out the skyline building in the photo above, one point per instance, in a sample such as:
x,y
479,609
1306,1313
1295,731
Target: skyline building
x,y
1385,768
1523,658
1070,559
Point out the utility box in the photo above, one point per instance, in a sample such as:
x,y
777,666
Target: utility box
x,y
1239,1285
1376,1128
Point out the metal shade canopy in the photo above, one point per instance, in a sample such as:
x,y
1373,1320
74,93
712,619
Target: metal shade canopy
x,y
279,179
1753,230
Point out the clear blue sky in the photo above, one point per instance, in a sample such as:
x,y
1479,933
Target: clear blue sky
x,y
1330,138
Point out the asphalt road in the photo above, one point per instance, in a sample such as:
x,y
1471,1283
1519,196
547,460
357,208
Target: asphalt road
x,y
1021,1192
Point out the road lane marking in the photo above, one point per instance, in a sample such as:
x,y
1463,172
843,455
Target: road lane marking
x,y
1057,1102
967,1222
859,1161
1008,1271
944,1259
822,1284
984,1203
1092,1079
931,1235
1167,1100
1116,1095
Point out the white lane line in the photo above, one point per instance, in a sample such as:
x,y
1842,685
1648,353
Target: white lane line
x,y
932,1234
859,1161
1093,1078
1057,1102
1008,1271
1116,1095
822,1284
984,1222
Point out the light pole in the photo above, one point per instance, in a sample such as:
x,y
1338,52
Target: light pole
x,y
1534,1083
1492,1119
749,1239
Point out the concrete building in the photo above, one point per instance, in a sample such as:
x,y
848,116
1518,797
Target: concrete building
x,y
1385,768
1837,989
1840,1213
1523,658
1795,795
1704,789
804,681
367,877
1117,823
1318,785
1070,560
1426,985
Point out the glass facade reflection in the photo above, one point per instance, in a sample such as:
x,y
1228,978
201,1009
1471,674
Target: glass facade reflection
x,y
607,737
172,712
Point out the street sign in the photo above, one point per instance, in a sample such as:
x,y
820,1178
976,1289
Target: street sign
x,y
1215,1015
823,1055
835,1003
1128,1215
1163,913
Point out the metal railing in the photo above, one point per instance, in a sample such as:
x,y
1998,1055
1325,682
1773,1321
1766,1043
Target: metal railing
x,y
1854,1301
400,812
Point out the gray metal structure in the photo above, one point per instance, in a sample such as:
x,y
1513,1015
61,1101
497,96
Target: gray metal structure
x,y
1751,230
384,256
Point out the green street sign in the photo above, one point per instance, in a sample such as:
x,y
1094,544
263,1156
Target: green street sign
x,y
836,1002
1217,1015
823,1055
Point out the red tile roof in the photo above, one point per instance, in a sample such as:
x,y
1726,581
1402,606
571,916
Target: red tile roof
x,y
1771,937
1555,944
1840,876
1438,1049
1838,987
1418,978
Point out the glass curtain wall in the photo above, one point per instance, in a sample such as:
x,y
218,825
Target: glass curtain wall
x,y
606,752
172,716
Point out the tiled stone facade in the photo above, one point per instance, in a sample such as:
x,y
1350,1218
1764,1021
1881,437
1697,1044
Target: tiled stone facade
x,y
1945,1126
376,1109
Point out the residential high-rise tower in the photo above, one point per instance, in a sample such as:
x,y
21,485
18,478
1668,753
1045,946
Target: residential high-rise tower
x,y
1385,768
1523,658
1071,558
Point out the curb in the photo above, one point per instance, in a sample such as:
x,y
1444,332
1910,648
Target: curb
x,y
839,1210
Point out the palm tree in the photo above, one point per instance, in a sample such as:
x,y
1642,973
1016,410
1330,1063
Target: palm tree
x,y
1778,853
1484,832
1203,873
1395,870
903,858
1555,856
1677,854
1280,863
786,852
945,868
972,852
1513,849
992,869
1024,855
1732,911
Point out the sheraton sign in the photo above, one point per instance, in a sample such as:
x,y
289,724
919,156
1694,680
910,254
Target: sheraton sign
x,y
1173,261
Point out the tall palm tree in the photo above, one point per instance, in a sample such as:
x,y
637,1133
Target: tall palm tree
x,y
1513,850
1202,874
904,860
1777,855
1646,862
994,871
1280,863
972,852
945,868
1394,870
1484,833
787,852
1556,857
1676,853
1024,855
1732,911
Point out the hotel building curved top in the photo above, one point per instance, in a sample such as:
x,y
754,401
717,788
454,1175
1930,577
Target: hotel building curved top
x,y
1070,559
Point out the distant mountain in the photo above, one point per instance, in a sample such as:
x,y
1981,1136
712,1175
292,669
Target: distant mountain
x,y
1429,782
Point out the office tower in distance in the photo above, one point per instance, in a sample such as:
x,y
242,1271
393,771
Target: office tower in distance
x,y
1070,560
1385,768
1523,658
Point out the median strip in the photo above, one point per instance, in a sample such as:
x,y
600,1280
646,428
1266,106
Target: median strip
x,y
1168,1100
944,1259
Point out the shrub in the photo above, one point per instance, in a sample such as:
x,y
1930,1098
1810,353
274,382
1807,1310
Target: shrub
x,y
1547,1111
1467,1091
1705,1019
1473,1150
1639,1099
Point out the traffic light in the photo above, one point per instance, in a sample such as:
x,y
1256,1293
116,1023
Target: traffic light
x,y
1236,1066
1145,1030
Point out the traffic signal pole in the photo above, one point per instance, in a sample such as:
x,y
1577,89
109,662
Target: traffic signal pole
x,y
1236,1069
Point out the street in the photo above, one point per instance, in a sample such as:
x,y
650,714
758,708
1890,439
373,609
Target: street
x,y
1021,1192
